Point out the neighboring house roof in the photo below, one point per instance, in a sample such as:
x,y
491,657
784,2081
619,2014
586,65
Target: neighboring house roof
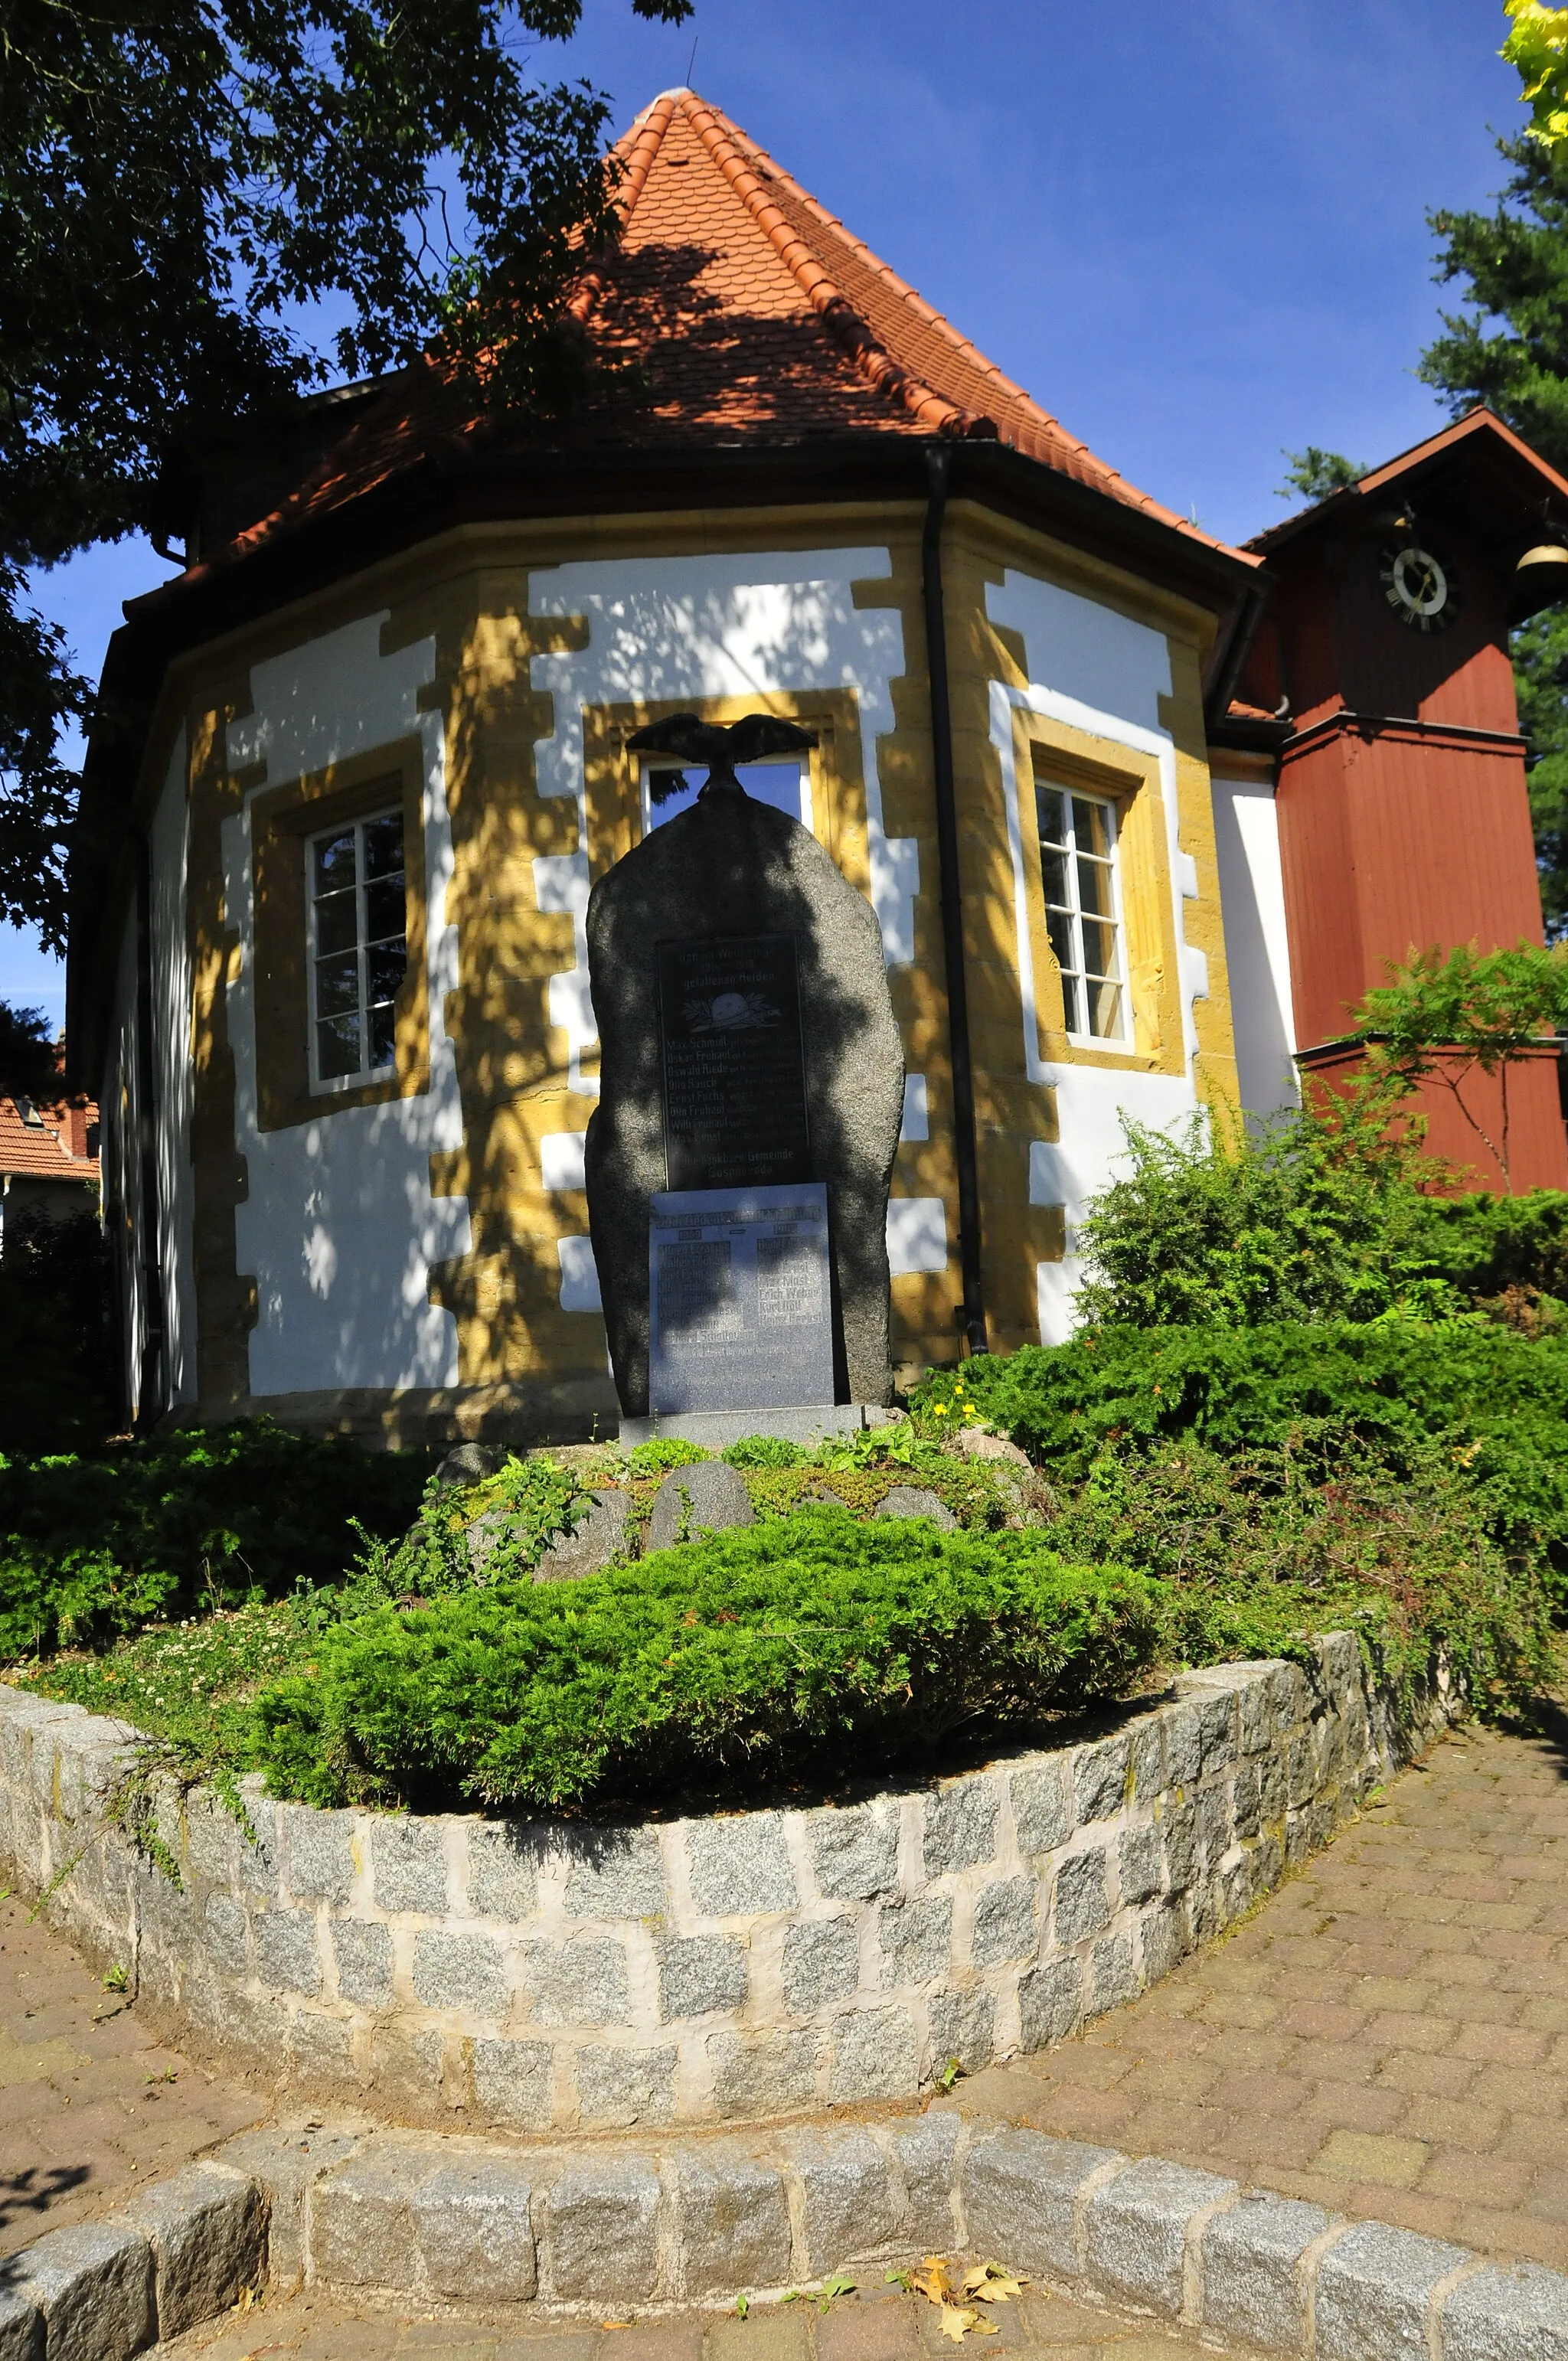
x,y
1517,483
744,312
43,1150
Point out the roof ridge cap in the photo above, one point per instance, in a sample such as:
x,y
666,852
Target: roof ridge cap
x,y
638,148
721,138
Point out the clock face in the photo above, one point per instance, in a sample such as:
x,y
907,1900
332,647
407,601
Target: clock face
x,y
1419,587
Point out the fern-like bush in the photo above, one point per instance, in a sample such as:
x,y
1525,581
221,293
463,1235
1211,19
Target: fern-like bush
x,y
759,1652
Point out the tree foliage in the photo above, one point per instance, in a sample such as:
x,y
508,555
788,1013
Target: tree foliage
x,y
1447,1018
1315,474
29,1061
1538,46
179,184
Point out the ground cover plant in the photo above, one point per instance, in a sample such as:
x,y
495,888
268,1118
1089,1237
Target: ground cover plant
x,y
95,1544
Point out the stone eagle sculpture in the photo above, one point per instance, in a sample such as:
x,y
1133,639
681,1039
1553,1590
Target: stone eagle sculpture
x,y
691,740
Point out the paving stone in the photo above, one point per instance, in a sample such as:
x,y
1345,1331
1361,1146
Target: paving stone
x,y
698,1974
503,1869
318,1853
461,1971
362,2221
409,1864
602,2228
926,2151
851,2207
581,1982
1004,1927
1374,2291
1135,2230
762,2073
1519,2313
963,2026
916,1938
363,1953
92,2288
207,2228
1249,2258
854,1852
1050,2003
614,1873
739,1866
617,2087
1082,1906
511,2083
734,2220
287,1956
875,2055
1042,1813
474,2235
1100,1778
1020,2194
960,1825
821,1964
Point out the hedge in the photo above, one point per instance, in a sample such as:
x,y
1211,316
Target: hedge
x,y
759,1652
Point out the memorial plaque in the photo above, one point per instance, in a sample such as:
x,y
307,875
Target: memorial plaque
x,y
735,1107
739,1298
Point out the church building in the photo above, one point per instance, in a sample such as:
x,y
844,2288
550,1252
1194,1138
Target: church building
x,y
1139,815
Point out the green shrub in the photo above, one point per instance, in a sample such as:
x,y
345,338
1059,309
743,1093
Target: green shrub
x,y
728,1661
1323,1534
1320,1215
1496,1401
663,1453
203,1517
764,1451
1483,1245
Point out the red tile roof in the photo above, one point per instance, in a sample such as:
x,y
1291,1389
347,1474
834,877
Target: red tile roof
x,y
45,1152
750,314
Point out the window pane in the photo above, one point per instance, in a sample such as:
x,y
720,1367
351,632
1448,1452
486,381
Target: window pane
x,y
1053,868
1106,1010
337,922
1072,997
1060,926
384,966
1051,806
334,861
337,985
337,1047
1099,948
1094,886
383,1037
386,912
1092,826
384,845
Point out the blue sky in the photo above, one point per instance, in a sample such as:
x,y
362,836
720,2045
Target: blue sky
x,y
1196,234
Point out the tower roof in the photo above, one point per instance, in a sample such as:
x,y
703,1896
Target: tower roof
x,y
751,317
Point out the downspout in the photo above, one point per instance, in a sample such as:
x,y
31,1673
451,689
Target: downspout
x,y
150,1403
938,464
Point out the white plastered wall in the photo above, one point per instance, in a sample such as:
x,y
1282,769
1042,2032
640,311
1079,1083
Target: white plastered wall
x,y
339,1228
1257,945
1103,673
690,629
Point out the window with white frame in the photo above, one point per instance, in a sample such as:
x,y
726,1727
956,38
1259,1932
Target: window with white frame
x,y
1083,908
358,948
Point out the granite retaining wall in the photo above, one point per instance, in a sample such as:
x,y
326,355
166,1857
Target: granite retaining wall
x,y
545,1976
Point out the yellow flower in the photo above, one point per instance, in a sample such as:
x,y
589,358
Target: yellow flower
x,y
941,1409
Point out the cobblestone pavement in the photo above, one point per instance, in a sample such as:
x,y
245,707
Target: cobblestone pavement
x,y
89,2103
1387,2036
889,2327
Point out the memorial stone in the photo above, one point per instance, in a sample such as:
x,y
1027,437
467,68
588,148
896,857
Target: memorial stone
x,y
715,1075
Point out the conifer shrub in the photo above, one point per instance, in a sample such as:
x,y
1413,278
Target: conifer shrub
x,y
753,1654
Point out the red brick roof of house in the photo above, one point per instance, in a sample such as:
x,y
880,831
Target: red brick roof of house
x,y
53,1148
748,314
